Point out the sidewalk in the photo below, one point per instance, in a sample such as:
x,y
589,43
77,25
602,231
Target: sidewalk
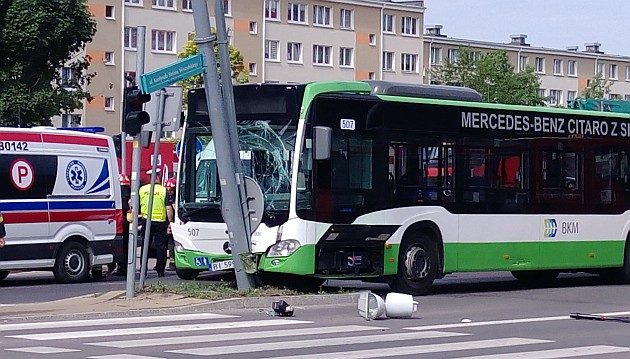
x,y
115,304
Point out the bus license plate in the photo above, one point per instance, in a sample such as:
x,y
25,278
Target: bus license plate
x,y
221,265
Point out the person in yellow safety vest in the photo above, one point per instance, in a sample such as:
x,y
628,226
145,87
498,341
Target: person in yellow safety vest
x,y
161,216
3,232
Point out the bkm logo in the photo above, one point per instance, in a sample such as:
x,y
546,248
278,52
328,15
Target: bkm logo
x,y
551,227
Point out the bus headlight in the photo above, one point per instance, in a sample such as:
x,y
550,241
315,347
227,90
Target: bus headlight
x,y
178,247
283,248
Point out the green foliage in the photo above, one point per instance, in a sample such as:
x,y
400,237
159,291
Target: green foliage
x,y
239,74
492,75
37,38
597,87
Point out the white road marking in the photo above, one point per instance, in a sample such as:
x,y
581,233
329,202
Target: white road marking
x,y
500,322
223,337
313,343
420,349
123,356
43,350
156,330
110,321
556,353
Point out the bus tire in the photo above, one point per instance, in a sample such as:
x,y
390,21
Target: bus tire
x,y
72,264
417,265
536,277
4,274
620,275
187,274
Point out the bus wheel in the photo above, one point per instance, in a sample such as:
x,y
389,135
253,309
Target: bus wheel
x,y
619,275
187,274
536,277
72,263
417,265
4,274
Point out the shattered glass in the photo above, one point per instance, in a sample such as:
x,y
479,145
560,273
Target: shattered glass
x,y
266,150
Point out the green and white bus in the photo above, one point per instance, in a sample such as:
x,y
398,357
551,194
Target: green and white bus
x,y
407,183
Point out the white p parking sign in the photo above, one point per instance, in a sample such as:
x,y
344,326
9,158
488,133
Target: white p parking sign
x,y
22,174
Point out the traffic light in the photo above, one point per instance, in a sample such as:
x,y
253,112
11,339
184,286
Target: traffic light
x,y
118,144
133,115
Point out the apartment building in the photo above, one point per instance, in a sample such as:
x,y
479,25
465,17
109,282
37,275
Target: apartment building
x,y
563,73
293,41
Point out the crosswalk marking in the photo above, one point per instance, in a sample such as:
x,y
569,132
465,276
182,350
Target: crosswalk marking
x,y
313,343
420,349
507,321
156,330
123,356
208,338
556,353
111,321
42,350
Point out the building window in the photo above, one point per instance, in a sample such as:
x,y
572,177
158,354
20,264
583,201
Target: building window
x,y
371,75
294,52
571,95
68,77
612,72
614,96
453,55
436,56
109,104
227,7
409,63
388,61
542,93
523,61
134,2
600,70
297,13
388,23
164,4
271,9
372,39
627,73
321,15
346,19
540,65
555,97
627,97
130,78
108,58
409,25
345,56
253,27
70,120
322,54
163,41
271,50
131,38
110,12
557,67
187,5
571,67
253,69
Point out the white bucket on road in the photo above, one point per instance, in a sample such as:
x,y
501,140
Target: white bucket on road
x,y
399,305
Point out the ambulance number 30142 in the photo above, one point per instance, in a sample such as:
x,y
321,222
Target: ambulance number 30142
x,y
13,146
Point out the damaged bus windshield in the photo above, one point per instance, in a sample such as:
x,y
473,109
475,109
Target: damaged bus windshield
x,y
266,124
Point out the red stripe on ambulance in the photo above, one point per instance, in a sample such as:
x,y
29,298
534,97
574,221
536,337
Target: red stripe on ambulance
x,y
75,140
20,136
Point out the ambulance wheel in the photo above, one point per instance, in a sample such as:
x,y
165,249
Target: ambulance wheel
x,y
72,264
417,265
4,274
187,274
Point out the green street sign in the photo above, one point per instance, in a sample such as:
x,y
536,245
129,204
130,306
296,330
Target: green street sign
x,y
168,75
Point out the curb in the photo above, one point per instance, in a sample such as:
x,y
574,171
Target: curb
x,y
223,304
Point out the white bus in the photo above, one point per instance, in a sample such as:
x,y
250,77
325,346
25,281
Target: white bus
x,y
408,183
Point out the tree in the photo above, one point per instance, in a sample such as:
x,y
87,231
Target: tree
x,y
236,62
38,38
490,74
597,87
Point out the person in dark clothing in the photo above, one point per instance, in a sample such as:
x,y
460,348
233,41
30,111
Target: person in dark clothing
x,y
3,231
170,199
125,191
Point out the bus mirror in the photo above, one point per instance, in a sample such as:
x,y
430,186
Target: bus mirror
x,y
322,137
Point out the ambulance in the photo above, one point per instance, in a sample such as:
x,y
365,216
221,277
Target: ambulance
x,y
61,202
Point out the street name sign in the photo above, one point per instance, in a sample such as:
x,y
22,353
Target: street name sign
x,y
159,78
